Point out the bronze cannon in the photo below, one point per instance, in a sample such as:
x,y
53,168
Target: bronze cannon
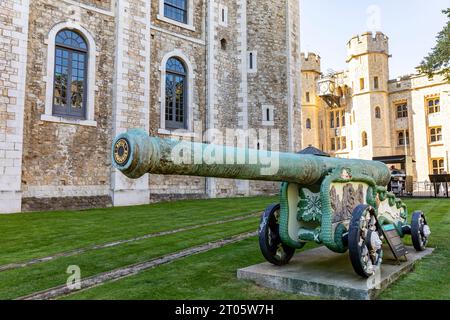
x,y
340,203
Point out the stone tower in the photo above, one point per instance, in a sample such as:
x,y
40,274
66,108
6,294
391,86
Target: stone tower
x,y
311,103
249,76
368,56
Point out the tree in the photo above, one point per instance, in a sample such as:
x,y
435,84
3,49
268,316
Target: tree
x,y
438,61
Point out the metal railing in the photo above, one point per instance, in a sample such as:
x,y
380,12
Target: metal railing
x,y
431,190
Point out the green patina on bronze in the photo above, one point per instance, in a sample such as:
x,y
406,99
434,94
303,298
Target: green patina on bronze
x,y
317,194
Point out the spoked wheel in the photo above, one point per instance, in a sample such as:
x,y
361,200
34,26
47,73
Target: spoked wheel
x,y
364,241
269,238
420,231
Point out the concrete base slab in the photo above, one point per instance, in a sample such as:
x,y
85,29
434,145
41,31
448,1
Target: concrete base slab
x,y
323,273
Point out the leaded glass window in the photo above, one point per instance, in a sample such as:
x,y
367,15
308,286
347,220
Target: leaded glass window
x,y
70,77
176,10
175,94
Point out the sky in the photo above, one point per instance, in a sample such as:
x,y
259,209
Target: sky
x,y
411,25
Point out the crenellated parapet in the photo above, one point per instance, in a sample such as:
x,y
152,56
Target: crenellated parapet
x,y
367,43
310,62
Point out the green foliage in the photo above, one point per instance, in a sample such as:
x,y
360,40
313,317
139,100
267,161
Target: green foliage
x,y
438,61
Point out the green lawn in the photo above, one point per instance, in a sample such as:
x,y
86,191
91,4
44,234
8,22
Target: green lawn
x,y
210,275
32,235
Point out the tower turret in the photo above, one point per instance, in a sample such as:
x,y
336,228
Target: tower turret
x,y
310,62
368,62
310,67
367,43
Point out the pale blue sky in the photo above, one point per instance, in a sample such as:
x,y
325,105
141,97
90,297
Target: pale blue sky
x,y
411,25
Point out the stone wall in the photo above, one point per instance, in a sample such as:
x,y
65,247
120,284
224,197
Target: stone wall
x,y
294,73
13,60
101,4
170,40
227,87
131,89
64,160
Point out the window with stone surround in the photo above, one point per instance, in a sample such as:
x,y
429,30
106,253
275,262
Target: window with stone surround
x,y
433,105
437,166
252,61
364,139
70,75
223,11
175,97
338,143
268,115
403,138
376,83
377,113
435,134
337,118
308,123
69,94
361,84
177,74
176,10
402,110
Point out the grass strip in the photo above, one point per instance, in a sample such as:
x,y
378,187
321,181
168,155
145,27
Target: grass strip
x,y
206,276
212,275
26,236
120,242
21,282
135,269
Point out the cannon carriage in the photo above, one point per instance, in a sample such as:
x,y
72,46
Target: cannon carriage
x,y
340,203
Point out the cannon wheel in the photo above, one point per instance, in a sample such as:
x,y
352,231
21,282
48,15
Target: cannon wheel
x,y
364,241
270,243
420,231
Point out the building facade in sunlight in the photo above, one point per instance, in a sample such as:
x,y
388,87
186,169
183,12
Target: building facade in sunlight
x,y
75,73
362,113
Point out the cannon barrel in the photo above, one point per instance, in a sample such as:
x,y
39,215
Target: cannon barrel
x,y
134,153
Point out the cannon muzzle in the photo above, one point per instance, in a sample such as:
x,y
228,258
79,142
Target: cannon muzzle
x,y
135,153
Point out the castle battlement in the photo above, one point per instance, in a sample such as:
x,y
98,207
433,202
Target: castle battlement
x,y
368,43
310,62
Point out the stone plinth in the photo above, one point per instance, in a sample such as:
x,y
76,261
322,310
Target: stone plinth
x,y
323,273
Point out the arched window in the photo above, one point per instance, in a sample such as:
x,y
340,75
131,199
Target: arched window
x,y
364,139
176,97
70,74
308,123
378,113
